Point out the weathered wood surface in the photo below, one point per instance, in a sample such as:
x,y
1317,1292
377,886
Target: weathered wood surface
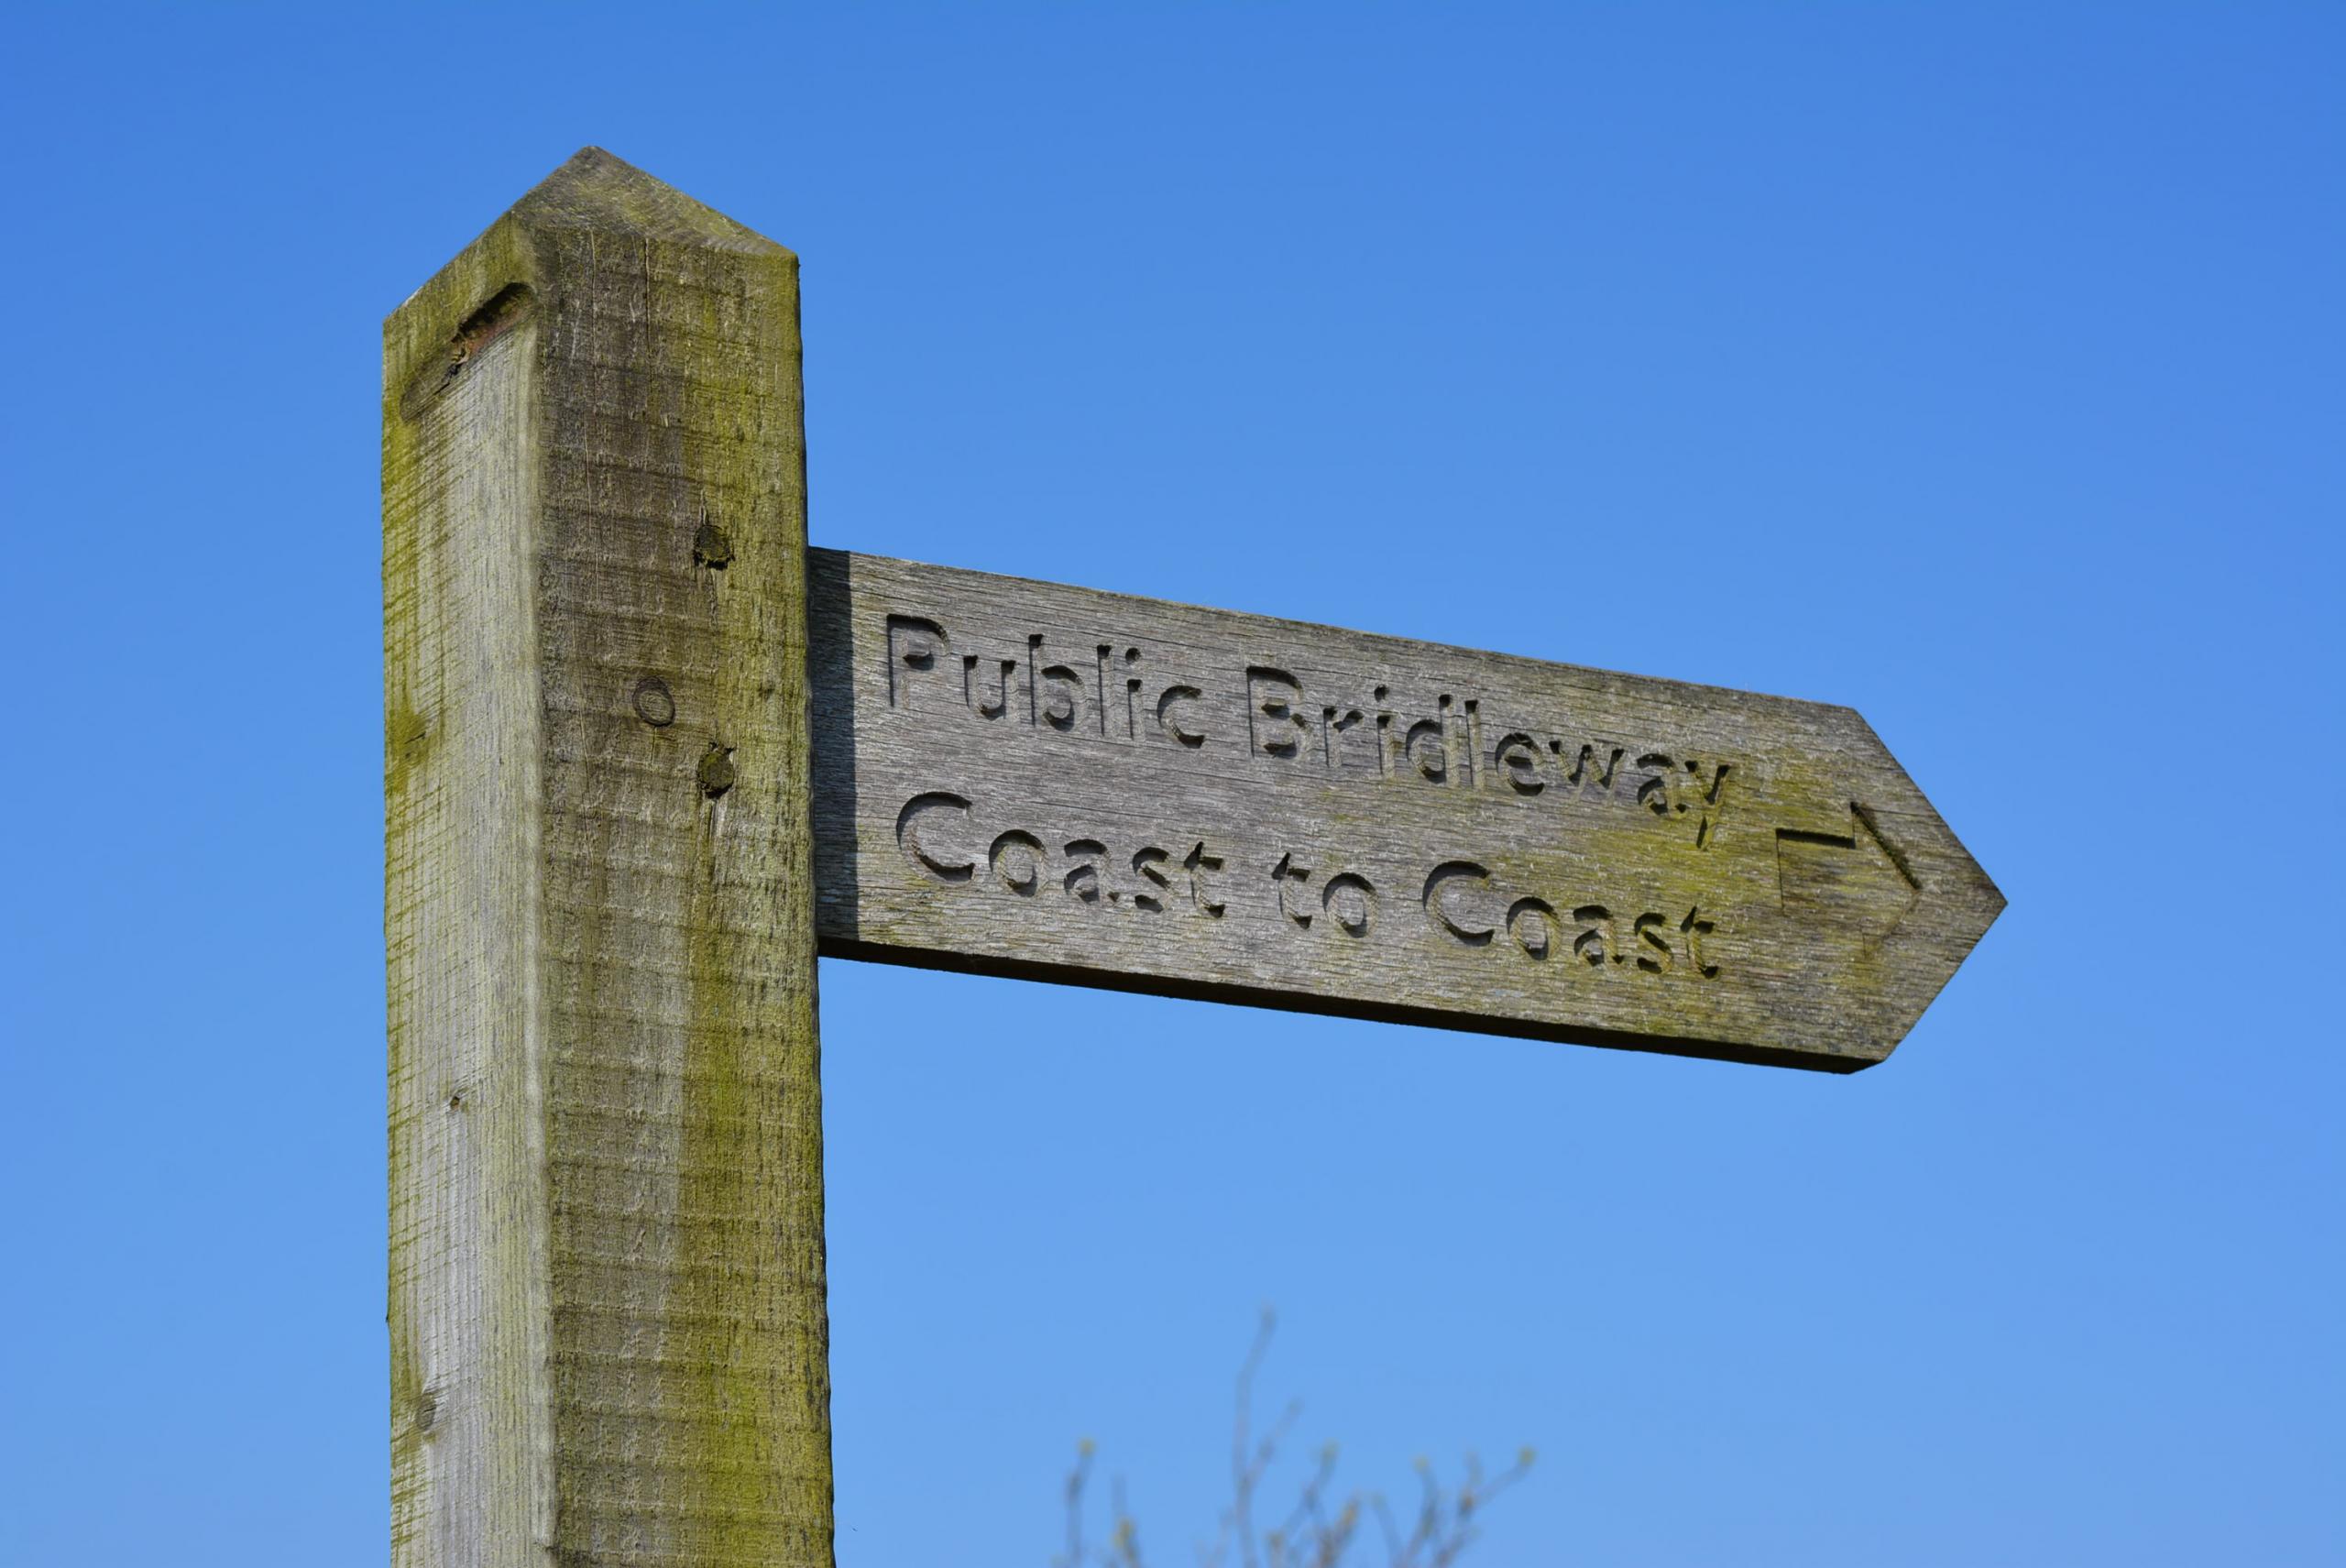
x,y
1020,778
606,1284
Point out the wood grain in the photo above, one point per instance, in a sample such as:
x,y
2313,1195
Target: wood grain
x,y
1020,778
606,1284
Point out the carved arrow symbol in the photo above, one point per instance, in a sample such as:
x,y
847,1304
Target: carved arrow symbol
x,y
1858,880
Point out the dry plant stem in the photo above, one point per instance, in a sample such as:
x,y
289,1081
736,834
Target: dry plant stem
x,y
1249,1460
1076,1478
1308,1535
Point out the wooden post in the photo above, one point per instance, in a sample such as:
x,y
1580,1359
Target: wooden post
x,y
607,1335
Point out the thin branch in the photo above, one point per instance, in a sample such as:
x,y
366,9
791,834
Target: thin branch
x,y
1308,1535
1075,1481
1246,1467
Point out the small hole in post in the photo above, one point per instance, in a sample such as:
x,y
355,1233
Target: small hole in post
x,y
654,702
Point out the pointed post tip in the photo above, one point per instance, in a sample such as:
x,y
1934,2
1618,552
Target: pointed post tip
x,y
596,189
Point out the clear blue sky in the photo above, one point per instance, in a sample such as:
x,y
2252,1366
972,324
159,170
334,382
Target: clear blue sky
x,y
1976,366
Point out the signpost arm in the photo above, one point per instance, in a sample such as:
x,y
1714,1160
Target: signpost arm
x,y
608,1342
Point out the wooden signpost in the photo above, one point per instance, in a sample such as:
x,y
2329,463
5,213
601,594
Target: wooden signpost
x,y
646,752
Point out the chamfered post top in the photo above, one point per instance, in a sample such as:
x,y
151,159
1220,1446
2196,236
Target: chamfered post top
x,y
594,193
596,190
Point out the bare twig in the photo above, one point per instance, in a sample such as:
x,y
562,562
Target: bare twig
x,y
1075,1482
1315,1532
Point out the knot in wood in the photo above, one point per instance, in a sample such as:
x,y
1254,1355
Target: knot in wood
x,y
715,771
711,548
